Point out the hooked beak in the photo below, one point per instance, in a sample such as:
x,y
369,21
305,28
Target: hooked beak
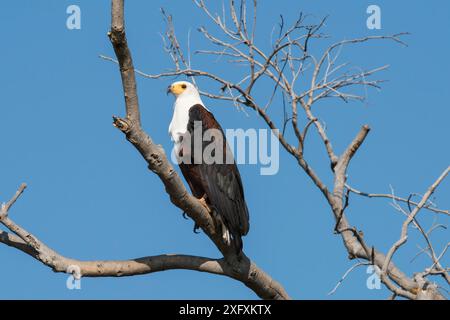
x,y
169,90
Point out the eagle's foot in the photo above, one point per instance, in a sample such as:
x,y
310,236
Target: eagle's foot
x,y
204,204
225,233
196,228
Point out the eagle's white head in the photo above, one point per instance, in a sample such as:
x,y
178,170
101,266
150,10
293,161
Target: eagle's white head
x,y
183,89
187,96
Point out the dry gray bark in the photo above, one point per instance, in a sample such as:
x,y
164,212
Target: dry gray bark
x,y
272,66
240,268
288,61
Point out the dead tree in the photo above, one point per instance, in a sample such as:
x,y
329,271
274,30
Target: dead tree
x,y
289,61
243,270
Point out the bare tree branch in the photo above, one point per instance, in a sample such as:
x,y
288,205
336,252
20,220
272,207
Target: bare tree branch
x,y
359,264
239,267
26,242
288,61
412,215
261,283
428,206
31,245
328,79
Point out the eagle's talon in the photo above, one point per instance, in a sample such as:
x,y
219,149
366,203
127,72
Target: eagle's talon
x,y
202,201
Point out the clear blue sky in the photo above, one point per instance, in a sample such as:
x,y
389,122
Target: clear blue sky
x,y
90,195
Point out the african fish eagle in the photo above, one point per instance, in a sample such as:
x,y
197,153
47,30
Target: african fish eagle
x,y
217,185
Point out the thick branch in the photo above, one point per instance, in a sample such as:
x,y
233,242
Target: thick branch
x,y
115,268
157,161
248,272
342,165
353,240
272,66
153,154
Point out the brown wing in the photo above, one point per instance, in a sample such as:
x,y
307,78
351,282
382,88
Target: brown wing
x,y
221,182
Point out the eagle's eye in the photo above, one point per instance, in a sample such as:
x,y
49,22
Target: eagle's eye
x,y
183,86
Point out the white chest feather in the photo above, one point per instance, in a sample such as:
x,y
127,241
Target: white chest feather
x,y
180,118
178,125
